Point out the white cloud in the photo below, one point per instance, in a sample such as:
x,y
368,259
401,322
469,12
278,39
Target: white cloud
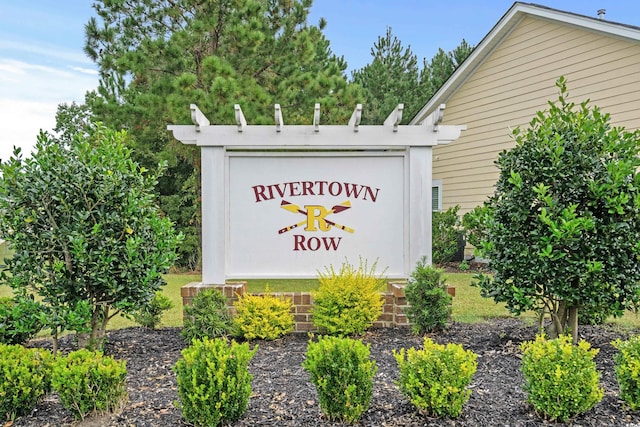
x,y
90,71
20,123
44,51
29,97
37,82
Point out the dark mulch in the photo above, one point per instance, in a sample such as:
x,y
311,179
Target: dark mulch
x,y
283,395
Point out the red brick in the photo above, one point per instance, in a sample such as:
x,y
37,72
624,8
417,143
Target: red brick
x,y
396,288
303,309
451,290
306,298
301,317
190,289
305,327
297,298
385,318
399,309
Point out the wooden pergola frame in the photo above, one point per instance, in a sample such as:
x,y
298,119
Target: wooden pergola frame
x,y
219,141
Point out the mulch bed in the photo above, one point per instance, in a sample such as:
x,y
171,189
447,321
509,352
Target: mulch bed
x,y
284,396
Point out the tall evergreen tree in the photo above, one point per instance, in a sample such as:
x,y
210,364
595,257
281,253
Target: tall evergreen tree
x,y
436,72
157,57
394,77
391,78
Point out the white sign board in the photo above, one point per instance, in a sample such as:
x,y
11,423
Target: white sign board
x,y
287,201
292,215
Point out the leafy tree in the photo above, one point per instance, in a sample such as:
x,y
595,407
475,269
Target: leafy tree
x,y
73,118
156,58
565,228
87,235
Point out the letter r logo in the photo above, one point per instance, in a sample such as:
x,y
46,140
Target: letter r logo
x,y
316,213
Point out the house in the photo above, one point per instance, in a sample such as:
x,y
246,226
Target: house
x,y
511,75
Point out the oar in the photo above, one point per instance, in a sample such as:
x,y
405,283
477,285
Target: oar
x,y
336,209
296,209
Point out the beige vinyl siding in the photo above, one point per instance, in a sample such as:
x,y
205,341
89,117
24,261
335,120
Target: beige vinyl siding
x,y
516,80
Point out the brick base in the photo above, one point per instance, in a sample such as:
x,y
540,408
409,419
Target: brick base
x,y
393,307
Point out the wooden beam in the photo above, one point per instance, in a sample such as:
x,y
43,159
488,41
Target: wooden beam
x,y
356,117
316,118
435,118
198,118
240,120
278,118
395,117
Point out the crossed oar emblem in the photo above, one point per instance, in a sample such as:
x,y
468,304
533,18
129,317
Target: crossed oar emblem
x,y
312,217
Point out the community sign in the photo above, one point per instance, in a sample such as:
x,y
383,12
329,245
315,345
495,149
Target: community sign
x,y
288,201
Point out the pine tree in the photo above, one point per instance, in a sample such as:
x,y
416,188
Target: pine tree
x,y
157,57
393,77
390,79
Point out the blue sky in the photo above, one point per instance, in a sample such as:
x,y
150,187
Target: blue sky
x,y
42,63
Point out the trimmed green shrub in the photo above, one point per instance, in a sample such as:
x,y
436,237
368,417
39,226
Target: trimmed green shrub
x,y
436,378
427,298
207,316
445,235
561,379
24,379
342,372
347,302
214,383
476,228
19,319
89,382
150,315
627,370
263,316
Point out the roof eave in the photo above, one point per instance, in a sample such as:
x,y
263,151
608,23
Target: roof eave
x,y
507,23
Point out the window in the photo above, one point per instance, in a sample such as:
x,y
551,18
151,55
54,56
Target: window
x,y
436,195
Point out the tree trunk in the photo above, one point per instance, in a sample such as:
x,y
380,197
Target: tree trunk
x,y
563,321
558,321
55,341
572,323
99,319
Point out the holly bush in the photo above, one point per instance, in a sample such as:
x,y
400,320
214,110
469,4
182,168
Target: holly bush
x,y
82,220
564,226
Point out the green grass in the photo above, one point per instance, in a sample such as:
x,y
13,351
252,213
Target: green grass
x,y
467,307
5,291
172,317
282,285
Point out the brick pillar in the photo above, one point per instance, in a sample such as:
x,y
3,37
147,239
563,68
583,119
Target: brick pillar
x,y
399,303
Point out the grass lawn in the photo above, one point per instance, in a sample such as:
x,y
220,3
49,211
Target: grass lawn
x,y
468,305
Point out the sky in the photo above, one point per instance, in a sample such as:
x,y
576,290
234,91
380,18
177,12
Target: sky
x,y
42,63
